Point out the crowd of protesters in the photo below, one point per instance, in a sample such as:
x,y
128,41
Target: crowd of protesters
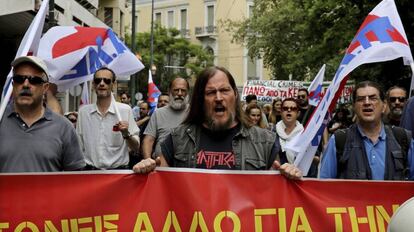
x,y
213,130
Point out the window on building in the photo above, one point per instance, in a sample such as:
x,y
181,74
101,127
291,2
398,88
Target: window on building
x,y
158,17
210,15
77,20
170,19
184,19
252,73
60,9
121,24
250,11
108,16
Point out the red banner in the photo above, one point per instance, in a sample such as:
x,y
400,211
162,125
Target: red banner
x,y
194,201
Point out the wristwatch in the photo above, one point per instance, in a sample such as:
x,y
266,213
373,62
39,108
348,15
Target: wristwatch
x,y
127,135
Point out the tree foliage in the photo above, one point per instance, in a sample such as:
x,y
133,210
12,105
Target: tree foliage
x,y
298,36
173,55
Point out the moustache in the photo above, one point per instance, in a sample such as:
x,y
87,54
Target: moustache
x,y
179,98
25,92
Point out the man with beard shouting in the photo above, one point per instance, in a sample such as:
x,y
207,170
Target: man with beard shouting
x,y
32,137
166,118
215,134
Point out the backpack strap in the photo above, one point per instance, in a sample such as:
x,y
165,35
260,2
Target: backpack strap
x,y
340,139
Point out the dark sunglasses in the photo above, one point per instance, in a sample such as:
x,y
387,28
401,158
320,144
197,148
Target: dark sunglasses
x,y
285,108
301,96
33,80
394,99
98,80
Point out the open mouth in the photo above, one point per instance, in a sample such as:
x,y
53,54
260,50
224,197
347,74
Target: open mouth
x,y
219,109
367,110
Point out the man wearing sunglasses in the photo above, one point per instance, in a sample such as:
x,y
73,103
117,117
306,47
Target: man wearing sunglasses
x,y
106,140
395,98
305,110
33,138
369,149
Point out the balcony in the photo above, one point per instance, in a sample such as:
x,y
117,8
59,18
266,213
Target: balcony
x,y
206,32
185,33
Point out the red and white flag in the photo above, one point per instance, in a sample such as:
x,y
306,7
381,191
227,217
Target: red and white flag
x,y
73,54
28,46
381,37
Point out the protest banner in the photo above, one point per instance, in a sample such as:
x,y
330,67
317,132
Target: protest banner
x,y
194,200
267,90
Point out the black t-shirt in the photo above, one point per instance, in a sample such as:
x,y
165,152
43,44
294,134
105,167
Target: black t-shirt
x,y
216,151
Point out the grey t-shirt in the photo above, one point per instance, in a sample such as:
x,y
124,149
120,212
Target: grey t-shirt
x,y
161,123
50,144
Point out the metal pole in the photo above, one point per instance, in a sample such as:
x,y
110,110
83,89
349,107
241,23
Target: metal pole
x,y
133,80
152,34
51,13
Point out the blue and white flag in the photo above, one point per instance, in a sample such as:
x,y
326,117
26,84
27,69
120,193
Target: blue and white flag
x,y
315,88
381,37
73,54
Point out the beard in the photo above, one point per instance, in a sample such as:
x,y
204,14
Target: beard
x,y
396,112
215,126
179,103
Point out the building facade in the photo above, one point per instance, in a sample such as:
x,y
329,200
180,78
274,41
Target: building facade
x,y
200,22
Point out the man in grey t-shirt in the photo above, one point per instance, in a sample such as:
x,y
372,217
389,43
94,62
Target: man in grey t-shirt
x,y
166,118
33,138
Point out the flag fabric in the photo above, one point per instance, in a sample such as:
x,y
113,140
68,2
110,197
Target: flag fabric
x,y
153,92
85,94
73,54
315,88
28,46
381,37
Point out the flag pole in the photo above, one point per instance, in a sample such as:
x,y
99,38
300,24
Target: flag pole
x,y
118,115
411,93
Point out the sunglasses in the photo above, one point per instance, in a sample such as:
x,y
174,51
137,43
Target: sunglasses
x,y
286,108
394,99
98,80
301,96
33,80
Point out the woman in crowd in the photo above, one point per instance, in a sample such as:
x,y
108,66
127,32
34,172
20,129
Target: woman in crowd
x,y
275,115
254,114
288,128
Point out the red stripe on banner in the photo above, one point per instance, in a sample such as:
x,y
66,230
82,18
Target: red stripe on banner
x,y
189,201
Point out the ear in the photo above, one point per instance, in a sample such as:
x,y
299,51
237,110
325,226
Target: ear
x,y
45,87
384,107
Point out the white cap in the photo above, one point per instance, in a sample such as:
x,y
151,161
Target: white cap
x,y
33,60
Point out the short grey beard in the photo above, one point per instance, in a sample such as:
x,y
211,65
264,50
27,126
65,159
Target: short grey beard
x,y
177,104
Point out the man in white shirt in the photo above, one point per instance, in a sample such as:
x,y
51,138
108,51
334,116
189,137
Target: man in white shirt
x,y
104,138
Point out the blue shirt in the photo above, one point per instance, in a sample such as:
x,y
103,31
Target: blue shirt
x,y
375,154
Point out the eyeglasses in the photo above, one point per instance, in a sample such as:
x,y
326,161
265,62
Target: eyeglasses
x,y
98,80
394,99
33,80
301,96
371,98
289,108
